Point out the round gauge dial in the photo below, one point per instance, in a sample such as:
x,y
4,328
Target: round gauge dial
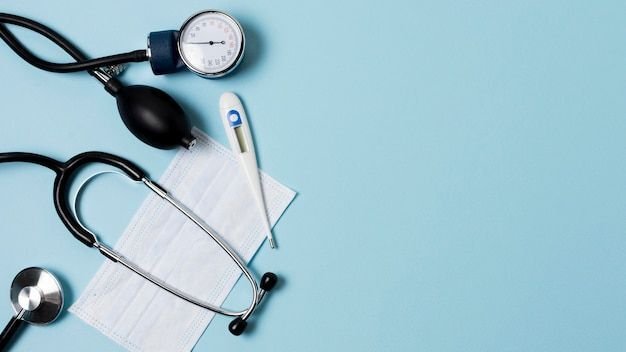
x,y
211,43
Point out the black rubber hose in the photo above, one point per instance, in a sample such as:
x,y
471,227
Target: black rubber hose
x,y
9,332
32,158
81,64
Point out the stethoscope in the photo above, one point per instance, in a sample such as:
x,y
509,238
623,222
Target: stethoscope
x,y
65,175
36,297
210,43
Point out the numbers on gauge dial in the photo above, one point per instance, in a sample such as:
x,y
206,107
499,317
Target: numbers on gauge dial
x,y
211,43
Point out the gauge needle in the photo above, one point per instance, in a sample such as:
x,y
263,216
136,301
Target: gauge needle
x,y
209,42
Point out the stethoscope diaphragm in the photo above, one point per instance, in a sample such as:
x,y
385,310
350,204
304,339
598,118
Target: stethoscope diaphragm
x,y
36,297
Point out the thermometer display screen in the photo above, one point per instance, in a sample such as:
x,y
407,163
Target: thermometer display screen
x,y
211,43
243,146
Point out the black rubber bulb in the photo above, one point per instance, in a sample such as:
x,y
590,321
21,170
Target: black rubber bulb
x,y
268,281
237,326
153,116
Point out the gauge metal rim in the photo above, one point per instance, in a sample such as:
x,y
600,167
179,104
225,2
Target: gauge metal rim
x,y
228,69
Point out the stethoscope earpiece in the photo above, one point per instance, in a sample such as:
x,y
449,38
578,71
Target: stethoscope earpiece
x,y
238,325
268,281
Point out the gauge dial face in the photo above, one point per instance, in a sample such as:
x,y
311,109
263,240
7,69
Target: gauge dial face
x,y
211,43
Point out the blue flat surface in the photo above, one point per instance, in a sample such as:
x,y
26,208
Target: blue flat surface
x,y
460,166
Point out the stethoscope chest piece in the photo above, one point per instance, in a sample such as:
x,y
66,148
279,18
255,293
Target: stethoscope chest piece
x,y
39,294
37,298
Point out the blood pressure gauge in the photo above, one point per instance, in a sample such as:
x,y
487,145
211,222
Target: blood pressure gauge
x,y
210,43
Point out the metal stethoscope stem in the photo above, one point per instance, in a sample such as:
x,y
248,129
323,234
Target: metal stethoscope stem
x,y
116,257
257,296
257,293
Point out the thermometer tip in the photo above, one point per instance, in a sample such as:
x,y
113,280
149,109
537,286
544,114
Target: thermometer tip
x,y
272,243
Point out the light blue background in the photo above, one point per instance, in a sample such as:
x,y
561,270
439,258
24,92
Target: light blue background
x,y
460,166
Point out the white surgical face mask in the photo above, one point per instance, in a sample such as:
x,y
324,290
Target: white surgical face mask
x,y
140,316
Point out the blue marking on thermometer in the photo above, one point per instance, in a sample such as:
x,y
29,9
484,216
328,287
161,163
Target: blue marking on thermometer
x,y
234,119
240,139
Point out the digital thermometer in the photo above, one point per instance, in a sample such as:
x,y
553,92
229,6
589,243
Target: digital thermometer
x,y
240,139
